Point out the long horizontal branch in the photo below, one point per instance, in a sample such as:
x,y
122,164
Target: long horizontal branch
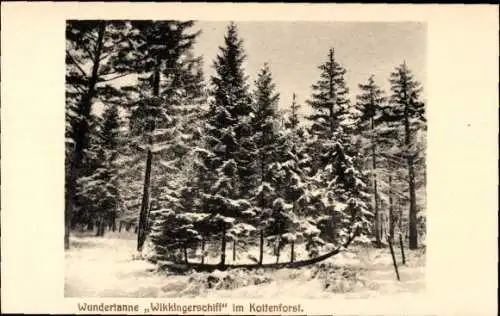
x,y
116,77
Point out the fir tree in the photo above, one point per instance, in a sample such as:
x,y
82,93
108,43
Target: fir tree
x,y
178,220
292,121
329,100
155,48
275,215
99,189
112,140
336,197
369,105
406,114
228,140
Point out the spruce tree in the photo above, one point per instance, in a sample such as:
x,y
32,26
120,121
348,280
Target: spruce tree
x,y
296,169
84,210
369,105
153,52
178,220
275,215
228,167
99,189
329,100
112,141
405,113
292,121
336,198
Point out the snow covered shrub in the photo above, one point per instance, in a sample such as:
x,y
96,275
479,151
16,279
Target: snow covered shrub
x,y
341,279
227,280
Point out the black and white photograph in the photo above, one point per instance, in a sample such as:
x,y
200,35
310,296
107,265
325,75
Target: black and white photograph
x,y
245,159
249,159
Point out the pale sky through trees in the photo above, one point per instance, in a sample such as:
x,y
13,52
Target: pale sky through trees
x,y
295,49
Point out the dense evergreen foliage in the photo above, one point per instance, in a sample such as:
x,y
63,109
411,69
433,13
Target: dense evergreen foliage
x,y
196,164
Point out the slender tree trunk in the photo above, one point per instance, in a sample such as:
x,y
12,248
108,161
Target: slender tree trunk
x,y
185,255
113,221
393,259
141,229
100,228
234,250
261,247
81,131
391,211
278,249
292,252
400,212
103,229
202,250
332,96
401,245
144,215
376,230
120,227
223,245
413,234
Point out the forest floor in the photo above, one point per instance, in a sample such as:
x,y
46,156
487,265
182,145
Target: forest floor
x,y
108,267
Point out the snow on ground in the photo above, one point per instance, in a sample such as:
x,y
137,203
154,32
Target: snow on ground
x,y
109,267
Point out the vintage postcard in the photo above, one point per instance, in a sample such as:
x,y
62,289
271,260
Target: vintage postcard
x,y
245,159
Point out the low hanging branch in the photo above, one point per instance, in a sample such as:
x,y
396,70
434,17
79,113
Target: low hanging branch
x,y
182,267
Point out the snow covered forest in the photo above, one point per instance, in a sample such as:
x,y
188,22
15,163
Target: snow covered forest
x,y
184,169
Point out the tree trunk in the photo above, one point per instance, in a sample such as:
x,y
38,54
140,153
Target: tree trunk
x,y
144,215
141,230
401,245
400,212
261,247
120,227
391,211
376,229
113,221
98,232
234,251
103,229
81,131
393,259
413,234
292,252
90,226
278,250
223,245
185,255
202,250
101,225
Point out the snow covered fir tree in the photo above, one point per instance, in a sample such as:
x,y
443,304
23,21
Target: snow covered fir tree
x,y
211,162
